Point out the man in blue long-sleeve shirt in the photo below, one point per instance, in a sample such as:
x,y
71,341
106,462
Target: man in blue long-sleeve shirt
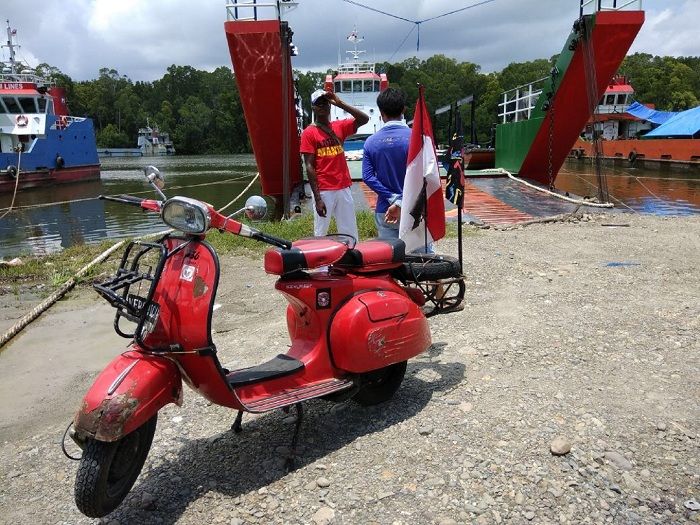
x,y
384,162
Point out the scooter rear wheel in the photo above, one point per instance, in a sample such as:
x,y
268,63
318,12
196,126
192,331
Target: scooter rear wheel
x,y
380,385
107,471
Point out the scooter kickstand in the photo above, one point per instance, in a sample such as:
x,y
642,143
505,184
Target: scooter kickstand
x,y
236,427
297,427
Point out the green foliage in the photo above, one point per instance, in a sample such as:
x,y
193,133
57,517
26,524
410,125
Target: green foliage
x,y
111,137
202,110
670,84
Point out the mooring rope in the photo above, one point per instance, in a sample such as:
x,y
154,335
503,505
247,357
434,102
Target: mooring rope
x,y
70,284
609,194
14,194
48,204
580,202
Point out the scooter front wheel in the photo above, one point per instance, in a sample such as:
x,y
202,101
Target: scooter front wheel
x,y
380,385
107,471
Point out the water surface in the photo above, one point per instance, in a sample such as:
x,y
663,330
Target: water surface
x,y
53,218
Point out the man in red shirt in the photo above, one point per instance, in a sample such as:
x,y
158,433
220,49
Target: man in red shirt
x,y
326,167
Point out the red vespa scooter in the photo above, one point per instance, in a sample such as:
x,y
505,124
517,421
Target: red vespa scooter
x,y
352,329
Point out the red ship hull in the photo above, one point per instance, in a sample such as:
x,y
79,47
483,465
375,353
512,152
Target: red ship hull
x,y
685,151
36,179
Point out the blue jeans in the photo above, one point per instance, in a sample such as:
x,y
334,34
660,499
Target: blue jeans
x,y
391,231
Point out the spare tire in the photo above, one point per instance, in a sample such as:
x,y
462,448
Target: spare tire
x,y
428,267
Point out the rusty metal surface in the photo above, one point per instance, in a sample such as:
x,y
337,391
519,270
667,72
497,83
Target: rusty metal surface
x,y
106,422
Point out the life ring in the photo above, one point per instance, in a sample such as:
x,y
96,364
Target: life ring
x,y
632,157
60,162
11,171
22,120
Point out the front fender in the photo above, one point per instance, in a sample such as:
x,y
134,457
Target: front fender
x,y
126,394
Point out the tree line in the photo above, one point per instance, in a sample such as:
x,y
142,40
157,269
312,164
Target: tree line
x,y
202,110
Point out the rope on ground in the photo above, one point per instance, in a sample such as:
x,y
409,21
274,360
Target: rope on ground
x,y
543,220
50,300
68,285
558,196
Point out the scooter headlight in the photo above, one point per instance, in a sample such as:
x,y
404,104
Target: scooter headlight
x,y
186,215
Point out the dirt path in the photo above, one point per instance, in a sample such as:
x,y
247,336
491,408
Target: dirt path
x,y
574,330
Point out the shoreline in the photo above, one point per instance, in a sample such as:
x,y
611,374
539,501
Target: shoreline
x,y
570,329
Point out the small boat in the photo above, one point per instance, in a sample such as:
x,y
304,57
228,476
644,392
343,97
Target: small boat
x,y
635,133
478,158
40,143
154,143
151,143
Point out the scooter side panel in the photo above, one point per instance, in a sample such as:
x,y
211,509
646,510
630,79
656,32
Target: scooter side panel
x,y
126,394
376,329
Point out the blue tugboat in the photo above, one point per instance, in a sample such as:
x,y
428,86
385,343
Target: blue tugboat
x,y
40,143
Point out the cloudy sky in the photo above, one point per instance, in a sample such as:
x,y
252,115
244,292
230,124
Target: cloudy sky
x,y
141,38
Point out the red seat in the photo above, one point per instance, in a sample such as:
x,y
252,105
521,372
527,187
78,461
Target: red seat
x,y
305,254
374,255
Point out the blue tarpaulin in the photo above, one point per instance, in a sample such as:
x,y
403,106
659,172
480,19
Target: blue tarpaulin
x,y
645,113
683,124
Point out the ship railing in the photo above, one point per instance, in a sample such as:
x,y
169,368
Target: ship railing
x,y
356,67
28,78
256,10
593,6
519,102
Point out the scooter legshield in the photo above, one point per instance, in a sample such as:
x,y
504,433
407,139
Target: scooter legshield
x,y
126,394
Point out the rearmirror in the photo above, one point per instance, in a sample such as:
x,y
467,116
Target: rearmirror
x,y
155,177
255,207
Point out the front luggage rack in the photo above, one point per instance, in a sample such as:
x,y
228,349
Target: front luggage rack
x,y
130,291
438,277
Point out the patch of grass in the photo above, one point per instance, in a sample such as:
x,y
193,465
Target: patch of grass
x,y
55,269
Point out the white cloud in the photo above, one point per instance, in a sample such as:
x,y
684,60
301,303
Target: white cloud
x,y
142,38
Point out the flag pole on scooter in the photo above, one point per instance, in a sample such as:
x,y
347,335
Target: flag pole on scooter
x,y
423,211
454,189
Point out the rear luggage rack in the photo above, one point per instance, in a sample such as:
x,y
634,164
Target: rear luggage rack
x,y
130,291
438,277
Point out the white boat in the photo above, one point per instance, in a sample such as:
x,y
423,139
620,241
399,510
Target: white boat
x,y
154,143
358,84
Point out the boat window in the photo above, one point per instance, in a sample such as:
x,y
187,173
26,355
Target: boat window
x,y
28,105
347,86
42,104
376,85
337,86
367,85
622,98
12,106
610,100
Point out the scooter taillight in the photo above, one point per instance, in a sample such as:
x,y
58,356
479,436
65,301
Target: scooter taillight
x,y
130,291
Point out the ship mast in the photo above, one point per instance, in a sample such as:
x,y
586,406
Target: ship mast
x,y
11,46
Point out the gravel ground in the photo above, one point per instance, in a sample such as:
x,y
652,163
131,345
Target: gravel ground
x,y
575,335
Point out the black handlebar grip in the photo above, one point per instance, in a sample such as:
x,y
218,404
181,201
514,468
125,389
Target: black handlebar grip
x,y
124,199
271,239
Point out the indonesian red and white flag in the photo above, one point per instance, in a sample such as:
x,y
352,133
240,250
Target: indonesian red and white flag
x,y
422,204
